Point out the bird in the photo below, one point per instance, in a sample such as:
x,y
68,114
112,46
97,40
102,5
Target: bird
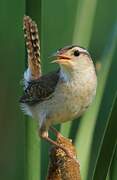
x,y
59,96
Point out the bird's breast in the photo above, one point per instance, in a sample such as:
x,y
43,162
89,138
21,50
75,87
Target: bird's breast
x,y
73,98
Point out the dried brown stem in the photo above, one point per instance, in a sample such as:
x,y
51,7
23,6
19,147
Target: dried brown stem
x,y
61,167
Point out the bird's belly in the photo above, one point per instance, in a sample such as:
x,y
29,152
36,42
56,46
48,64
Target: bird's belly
x,y
65,104
60,108
67,107
72,102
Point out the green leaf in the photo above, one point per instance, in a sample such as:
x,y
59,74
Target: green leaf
x,y
109,91
32,151
113,168
33,144
108,144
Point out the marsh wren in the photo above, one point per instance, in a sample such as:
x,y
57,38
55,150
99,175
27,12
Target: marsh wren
x,y
59,96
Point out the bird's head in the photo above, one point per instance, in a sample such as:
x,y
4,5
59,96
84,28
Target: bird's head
x,y
72,58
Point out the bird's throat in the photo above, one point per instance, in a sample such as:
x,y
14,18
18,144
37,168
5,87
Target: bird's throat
x,y
65,74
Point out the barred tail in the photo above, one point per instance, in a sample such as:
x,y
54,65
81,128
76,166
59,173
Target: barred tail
x,y
33,49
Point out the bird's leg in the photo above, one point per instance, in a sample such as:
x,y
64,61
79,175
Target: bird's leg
x,y
44,134
57,133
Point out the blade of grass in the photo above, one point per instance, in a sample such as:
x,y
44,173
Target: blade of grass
x,y
32,172
109,92
84,21
113,168
32,165
108,144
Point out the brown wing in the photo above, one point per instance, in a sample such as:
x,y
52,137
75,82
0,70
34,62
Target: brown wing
x,y
41,89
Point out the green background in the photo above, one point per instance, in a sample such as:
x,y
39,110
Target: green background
x,y
89,23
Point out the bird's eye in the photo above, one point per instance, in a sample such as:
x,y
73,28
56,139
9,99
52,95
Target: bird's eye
x,y
76,53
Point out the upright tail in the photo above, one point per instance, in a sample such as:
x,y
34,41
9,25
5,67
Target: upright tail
x,y
33,49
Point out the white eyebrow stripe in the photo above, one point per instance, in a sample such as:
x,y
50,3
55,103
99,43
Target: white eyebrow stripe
x,y
70,48
82,50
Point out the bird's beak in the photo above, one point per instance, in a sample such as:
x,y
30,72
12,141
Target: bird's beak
x,y
61,58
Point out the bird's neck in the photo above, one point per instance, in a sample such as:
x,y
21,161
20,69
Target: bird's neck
x,y
83,75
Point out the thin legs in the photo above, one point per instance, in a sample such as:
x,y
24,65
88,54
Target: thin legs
x,y
45,136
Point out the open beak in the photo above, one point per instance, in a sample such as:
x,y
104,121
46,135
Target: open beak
x,y
61,58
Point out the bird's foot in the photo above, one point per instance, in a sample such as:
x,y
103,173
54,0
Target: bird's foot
x,y
68,153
